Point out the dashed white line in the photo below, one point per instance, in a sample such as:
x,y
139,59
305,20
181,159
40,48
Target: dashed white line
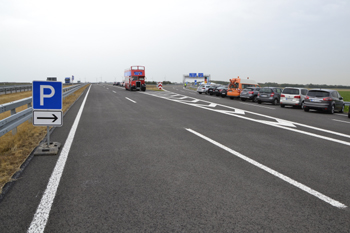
x,y
275,173
114,91
130,100
43,211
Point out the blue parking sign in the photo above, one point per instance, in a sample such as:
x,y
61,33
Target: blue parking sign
x,y
47,95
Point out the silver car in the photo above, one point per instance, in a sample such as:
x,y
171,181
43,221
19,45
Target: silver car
x,y
293,96
203,89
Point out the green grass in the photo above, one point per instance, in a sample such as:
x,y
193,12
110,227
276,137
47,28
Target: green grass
x,y
346,96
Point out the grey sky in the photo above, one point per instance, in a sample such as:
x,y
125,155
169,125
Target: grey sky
x,y
284,41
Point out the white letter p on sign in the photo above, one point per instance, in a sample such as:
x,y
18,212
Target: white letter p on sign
x,y
42,95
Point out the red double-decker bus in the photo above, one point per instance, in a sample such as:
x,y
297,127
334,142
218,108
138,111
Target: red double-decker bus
x,y
135,78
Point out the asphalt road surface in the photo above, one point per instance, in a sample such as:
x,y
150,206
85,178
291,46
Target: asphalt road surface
x,y
177,161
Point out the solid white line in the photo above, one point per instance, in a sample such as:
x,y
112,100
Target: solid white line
x,y
130,100
339,114
275,173
43,211
341,121
256,105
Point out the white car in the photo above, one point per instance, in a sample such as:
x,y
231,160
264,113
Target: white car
x,y
293,96
203,89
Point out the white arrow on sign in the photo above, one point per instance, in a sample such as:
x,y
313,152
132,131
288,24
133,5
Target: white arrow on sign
x,y
47,118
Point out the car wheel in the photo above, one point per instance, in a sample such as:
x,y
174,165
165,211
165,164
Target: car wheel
x,y
275,102
302,105
306,109
200,92
331,111
342,109
259,101
282,105
255,99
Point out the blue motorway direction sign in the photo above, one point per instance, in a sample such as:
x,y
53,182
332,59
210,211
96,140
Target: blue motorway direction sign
x,y
193,75
200,74
47,95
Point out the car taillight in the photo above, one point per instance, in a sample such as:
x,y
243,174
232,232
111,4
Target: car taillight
x,y
297,97
307,97
283,96
251,92
258,94
272,95
327,99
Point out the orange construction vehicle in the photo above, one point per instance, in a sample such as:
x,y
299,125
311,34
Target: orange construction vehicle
x,y
236,86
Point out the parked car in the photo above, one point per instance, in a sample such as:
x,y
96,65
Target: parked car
x,y
223,91
250,93
270,95
325,100
219,89
211,89
203,89
115,84
293,96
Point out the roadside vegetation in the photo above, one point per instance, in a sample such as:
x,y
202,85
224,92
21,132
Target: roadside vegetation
x,y
14,149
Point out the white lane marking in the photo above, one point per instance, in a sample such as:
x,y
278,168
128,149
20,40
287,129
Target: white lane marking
x,y
107,88
43,211
114,91
341,121
275,173
255,105
130,100
339,114
275,123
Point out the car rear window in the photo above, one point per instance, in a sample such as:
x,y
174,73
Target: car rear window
x,y
291,91
318,93
266,90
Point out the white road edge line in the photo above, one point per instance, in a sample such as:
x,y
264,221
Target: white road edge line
x,y
341,121
275,173
43,211
130,100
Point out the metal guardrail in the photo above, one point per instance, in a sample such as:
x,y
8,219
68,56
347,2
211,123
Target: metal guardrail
x,y
10,123
15,88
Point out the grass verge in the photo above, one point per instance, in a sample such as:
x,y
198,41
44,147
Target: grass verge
x,y
14,149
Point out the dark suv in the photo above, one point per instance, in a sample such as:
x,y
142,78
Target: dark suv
x,y
250,93
270,95
325,100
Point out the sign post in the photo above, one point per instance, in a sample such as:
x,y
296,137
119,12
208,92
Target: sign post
x,y
47,111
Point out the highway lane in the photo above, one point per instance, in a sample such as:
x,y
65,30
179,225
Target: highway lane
x,y
134,166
